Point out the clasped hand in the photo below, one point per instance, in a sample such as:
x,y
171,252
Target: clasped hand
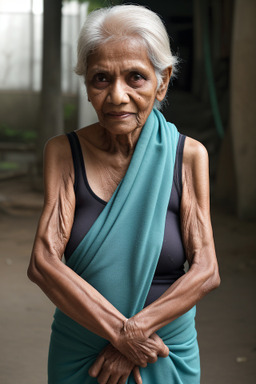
x,y
132,349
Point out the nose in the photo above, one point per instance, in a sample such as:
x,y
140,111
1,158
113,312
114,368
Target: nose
x,y
118,93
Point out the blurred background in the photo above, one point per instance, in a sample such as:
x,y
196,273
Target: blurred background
x,y
212,99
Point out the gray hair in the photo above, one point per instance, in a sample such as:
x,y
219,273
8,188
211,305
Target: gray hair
x,y
119,23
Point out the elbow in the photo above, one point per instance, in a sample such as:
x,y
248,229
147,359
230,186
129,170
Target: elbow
x,y
33,272
213,280
36,269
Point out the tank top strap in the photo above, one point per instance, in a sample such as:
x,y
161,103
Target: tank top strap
x,y
178,164
77,156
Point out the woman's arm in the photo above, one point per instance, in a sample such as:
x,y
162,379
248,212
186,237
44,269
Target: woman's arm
x,y
203,274
67,290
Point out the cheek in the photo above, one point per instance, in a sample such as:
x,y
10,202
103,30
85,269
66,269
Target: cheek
x,y
96,100
146,102
148,95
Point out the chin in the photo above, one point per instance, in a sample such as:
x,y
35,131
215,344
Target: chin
x,y
117,128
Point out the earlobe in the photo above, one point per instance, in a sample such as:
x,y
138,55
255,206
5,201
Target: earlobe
x,y
161,92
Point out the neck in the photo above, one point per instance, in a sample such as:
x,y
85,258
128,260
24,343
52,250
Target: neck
x,y
118,144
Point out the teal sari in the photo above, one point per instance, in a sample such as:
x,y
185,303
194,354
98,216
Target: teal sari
x,y
118,257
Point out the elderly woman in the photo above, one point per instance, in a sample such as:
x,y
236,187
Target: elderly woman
x,y
126,202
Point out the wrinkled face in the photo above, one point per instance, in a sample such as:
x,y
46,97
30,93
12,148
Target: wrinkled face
x,y
122,85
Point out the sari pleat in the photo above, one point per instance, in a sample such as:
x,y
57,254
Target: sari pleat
x,y
118,257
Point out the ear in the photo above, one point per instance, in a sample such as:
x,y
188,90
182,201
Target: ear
x,y
161,92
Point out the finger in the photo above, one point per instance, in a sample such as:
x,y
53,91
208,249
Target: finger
x,y
103,377
142,361
123,380
116,379
137,376
164,352
143,364
96,367
152,358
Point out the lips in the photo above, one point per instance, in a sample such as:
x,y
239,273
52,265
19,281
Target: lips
x,y
114,115
123,113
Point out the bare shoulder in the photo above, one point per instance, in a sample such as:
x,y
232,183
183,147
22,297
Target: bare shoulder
x,y
58,148
57,154
195,153
58,164
195,172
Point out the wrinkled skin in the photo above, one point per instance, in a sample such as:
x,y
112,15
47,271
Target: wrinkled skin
x,y
138,347
122,87
112,367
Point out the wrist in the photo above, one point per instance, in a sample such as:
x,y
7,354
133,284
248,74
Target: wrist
x,y
136,327
143,323
118,332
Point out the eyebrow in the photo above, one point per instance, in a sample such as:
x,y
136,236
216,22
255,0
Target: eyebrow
x,y
102,69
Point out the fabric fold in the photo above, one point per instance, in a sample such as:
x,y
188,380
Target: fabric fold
x,y
119,254
124,243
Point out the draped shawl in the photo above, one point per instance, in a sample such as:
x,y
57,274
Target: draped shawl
x,y
118,257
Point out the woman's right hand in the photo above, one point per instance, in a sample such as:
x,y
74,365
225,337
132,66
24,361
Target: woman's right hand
x,y
138,347
113,368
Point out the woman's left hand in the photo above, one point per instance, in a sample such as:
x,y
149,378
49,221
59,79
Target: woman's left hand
x,y
138,345
113,368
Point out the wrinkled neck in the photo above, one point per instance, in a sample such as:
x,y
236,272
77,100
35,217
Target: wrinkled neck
x,y
119,144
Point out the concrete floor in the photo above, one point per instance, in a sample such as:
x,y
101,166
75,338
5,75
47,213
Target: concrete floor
x,y
226,318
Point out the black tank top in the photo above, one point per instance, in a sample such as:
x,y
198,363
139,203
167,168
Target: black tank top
x,y
88,207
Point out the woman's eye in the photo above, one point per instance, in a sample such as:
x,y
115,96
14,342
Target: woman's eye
x,y
100,79
137,79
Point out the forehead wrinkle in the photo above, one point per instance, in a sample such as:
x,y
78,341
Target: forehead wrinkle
x,y
113,53
108,69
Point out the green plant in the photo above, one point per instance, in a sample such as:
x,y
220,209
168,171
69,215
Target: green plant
x,y
69,110
8,166
9,134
